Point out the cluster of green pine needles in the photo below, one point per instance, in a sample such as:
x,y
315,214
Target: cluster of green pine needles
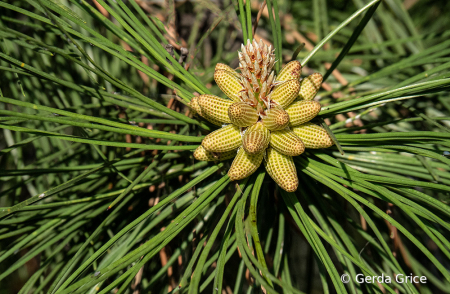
x,y
100,193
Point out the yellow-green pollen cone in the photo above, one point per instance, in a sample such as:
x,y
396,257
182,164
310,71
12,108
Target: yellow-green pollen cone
x,y
265,118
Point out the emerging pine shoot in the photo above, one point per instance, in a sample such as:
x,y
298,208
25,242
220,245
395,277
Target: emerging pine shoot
x,y
313,136
242,115
310,86
259,112
282,170
256,139
302,111
215,107
222,140
244,164
276,119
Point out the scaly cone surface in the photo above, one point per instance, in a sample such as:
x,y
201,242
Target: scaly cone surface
x,y
264,118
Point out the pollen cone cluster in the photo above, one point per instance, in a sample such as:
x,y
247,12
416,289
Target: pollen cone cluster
x,y
265,117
